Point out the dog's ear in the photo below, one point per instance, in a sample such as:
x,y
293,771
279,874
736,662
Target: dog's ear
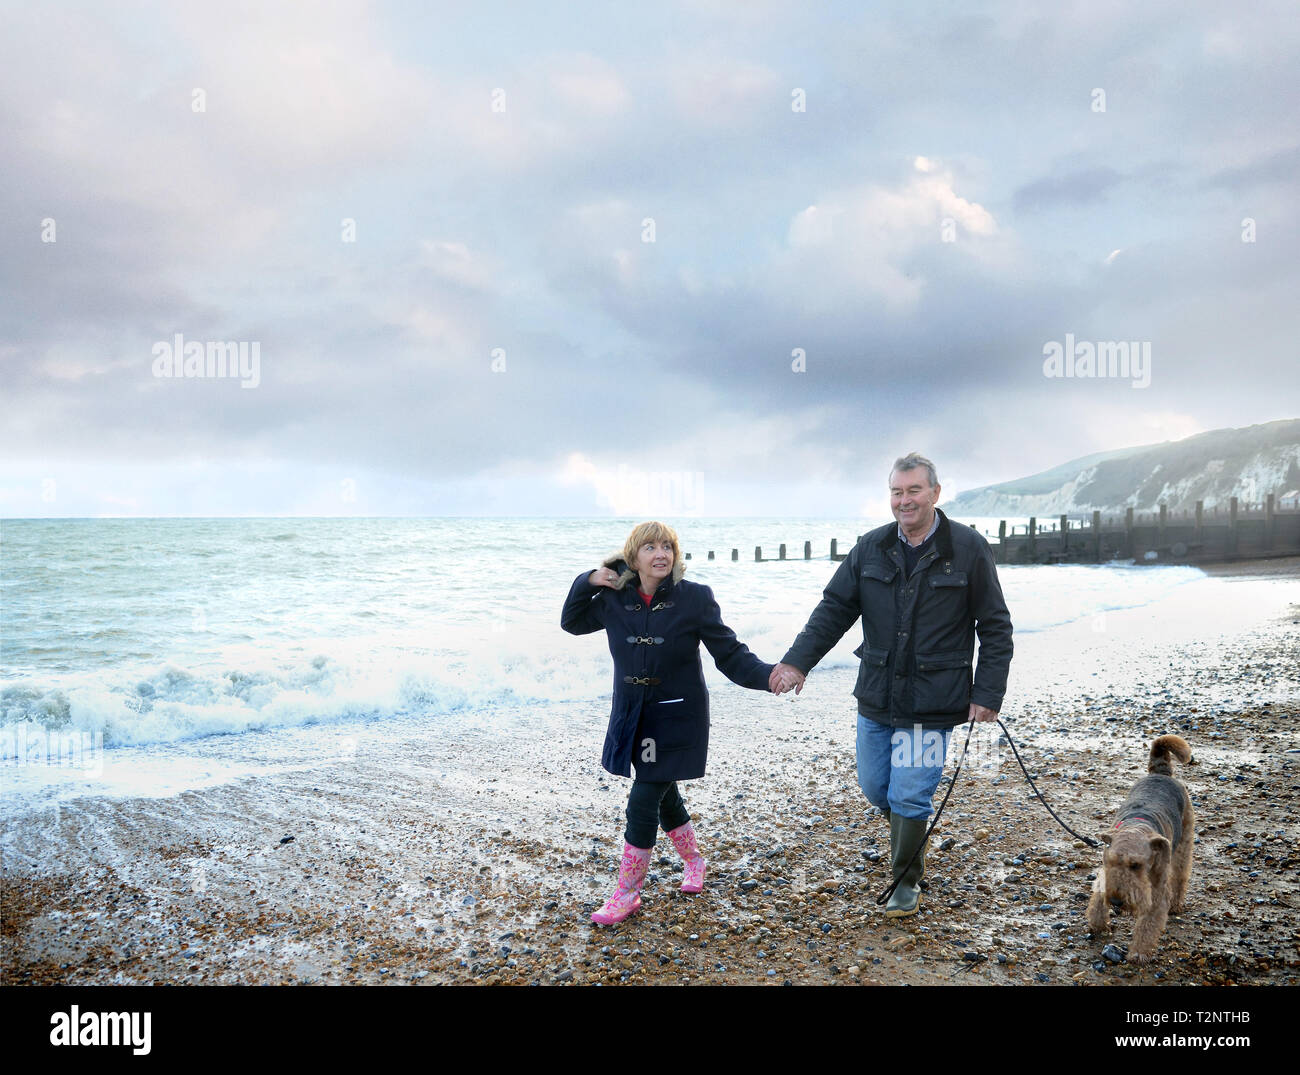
x,y
1105,836
1160,850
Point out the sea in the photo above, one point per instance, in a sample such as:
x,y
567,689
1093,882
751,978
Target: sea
x,y
125,643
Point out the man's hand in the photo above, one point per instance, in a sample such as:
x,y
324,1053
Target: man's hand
x,y
603,576
979,713
783,677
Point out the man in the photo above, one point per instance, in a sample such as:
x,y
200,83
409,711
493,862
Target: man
x,y
923,587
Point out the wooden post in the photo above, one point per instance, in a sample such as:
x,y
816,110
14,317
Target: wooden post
x,y
1200,519
1065,533
807,550
1033,540
758,554
1164,509
1268,522
1232,529
834,546
710,554
735,555
1002,542
1096,537
781,555
1129,552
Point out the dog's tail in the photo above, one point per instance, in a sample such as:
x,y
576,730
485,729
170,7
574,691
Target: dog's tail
x,y
1161,750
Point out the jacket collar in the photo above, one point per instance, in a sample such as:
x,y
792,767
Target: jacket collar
x,y
942,536
634,584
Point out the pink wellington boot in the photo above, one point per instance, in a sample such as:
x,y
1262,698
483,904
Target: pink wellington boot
x,y
683,838
627,897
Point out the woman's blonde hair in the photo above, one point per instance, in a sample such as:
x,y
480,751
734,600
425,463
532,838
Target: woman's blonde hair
x,y
642,533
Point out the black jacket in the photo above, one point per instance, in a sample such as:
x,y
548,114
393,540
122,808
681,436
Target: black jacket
x,y
919,632
661,727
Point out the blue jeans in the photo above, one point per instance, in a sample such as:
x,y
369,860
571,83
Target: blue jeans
x,y
899,768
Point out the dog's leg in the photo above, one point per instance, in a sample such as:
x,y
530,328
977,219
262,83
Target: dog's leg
x,y
1147,930
1098,907
1182,864
1150,922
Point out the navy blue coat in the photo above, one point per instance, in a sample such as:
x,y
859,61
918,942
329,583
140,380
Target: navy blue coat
x,y
661,727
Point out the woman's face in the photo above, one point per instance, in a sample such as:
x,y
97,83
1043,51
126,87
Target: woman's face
x,y
654,561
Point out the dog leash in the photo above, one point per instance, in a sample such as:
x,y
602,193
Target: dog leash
x,y
953,783
1086,839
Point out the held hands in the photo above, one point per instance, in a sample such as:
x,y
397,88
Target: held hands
x,y
603,576
784,677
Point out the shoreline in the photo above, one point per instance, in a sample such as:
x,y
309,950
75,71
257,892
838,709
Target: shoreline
x,y
1268,567
478,858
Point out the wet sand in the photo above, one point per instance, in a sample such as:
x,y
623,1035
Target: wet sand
x,y
478,858
1272,567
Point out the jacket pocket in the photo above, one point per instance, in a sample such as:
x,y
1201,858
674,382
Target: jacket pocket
x,y
879,571
944,599
873,677
941,683
672,727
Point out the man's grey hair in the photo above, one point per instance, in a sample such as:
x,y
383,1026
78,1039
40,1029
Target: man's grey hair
x,y
911,461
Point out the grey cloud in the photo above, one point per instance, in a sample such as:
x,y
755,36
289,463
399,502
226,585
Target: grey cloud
x,y
1281,167
1082,187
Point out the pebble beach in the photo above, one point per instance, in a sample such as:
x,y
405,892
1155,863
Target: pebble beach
x,y
477,857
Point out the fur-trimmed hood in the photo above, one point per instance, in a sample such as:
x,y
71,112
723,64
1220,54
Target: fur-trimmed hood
x,y
626,574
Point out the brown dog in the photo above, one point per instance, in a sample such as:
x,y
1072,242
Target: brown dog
x,y
1149,852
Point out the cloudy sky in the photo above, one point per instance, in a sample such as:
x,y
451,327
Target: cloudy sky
x,y
675,258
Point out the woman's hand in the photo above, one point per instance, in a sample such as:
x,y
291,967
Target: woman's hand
x,y
603,576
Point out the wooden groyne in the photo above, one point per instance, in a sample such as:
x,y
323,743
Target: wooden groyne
x,y
759,558
1235,532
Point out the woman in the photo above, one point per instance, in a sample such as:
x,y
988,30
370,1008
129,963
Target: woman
x,y
659,722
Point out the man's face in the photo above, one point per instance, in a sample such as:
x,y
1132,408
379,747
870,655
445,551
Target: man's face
x,y
912,498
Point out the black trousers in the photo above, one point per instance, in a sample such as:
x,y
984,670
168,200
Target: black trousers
x,y
651,804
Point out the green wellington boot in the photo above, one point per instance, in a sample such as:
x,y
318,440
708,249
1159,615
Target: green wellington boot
x,y
906,834
885,813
